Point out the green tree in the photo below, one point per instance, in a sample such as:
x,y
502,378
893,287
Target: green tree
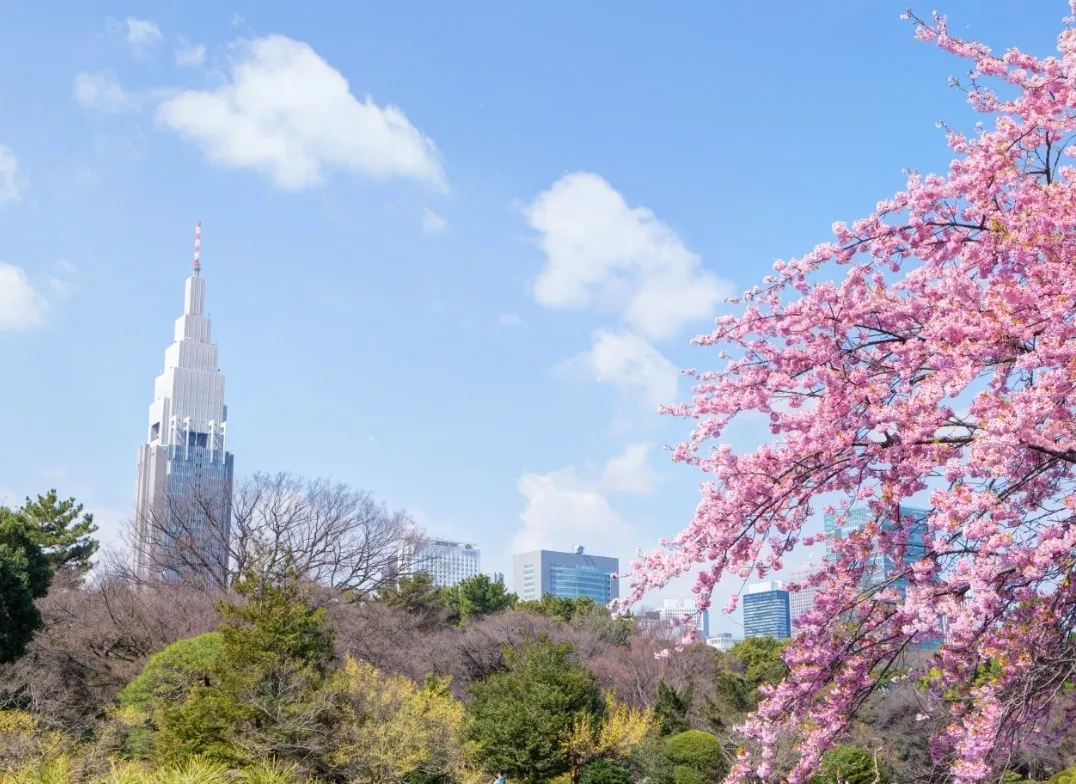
x,y
671,708
418,595
518,716
603,771
64,532
849,765
24,576
563,609
696,756
761,657
264,697
477,596
731,699
649,763
169,677
170,674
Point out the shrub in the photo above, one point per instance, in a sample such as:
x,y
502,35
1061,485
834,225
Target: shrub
x,y
603,771
519,715
849,765
170,674
695,749
696,757
1064,777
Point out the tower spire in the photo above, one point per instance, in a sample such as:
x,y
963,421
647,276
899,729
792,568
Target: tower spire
x,y
197,266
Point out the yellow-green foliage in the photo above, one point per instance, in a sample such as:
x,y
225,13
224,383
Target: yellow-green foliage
x,y
196,770
1064,777
25,745
614,736
390,727
55,770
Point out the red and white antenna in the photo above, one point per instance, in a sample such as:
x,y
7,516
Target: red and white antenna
x,y
197,247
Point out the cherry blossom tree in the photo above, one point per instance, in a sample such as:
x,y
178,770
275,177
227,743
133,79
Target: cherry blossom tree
x,y
942,366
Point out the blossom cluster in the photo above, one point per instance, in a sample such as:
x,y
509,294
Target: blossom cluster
x,y
942,364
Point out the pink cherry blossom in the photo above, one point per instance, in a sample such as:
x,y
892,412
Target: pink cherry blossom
x,y
942,365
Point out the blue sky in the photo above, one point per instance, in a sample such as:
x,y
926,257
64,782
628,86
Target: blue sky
x,y
453,255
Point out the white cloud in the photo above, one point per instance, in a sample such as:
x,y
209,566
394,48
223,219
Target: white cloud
x,y
568,506
190,55
432,222
21,306
562,511
632,364
287,113
9,172
142,33
630,472
603,253
103,92
509,320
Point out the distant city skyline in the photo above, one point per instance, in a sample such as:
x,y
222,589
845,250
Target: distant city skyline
x,y
398,312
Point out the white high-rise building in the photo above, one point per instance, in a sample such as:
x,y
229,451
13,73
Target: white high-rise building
x,y
183,497
448,563
722,641
683,614
802,601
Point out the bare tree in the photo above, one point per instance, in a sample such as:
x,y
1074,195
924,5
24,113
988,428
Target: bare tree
x,y
96,638
331,533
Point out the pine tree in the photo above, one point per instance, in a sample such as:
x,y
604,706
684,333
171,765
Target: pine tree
x,y
671,708
63,531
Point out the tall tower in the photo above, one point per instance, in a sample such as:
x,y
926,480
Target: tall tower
x,y
183,497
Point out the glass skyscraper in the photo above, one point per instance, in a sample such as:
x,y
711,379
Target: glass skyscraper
x,y
183,495
766,611
880,566
566,575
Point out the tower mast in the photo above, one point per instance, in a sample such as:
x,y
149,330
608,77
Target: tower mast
x,y
197,266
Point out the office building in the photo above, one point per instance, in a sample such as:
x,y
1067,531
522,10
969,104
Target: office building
x,y
183,495
683,614
570,575
802,601
880,567
447,562
766,611
722,641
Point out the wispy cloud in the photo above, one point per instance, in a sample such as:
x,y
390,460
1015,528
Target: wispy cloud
x,y
190,55
142,34
102,92
9,176
432,223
